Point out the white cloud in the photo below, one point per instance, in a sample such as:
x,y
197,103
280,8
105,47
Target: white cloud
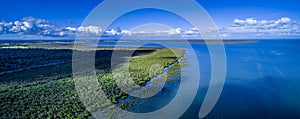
x,y
284,20
247,21
41,27
252,28
126,32
251,21
87,30
237,21
176,31
28,24
111,32
90,29
239,28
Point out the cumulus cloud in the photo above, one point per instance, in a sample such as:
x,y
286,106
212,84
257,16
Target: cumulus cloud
x,y
247,21
175,31
284,20
87,30
41,27
251,28
239,28
146,33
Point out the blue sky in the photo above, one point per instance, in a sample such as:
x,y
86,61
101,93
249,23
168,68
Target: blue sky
x,y
57,11
223,11
227,14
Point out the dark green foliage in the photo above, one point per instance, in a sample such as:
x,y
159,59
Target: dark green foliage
x,y
139,68
53,99
59,98
18,59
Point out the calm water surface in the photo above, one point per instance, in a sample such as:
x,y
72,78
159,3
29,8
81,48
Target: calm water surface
x,y
263,81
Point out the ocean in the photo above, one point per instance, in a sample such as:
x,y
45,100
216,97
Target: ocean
x,y
262,81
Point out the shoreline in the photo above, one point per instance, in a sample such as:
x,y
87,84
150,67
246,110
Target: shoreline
x,y
129,102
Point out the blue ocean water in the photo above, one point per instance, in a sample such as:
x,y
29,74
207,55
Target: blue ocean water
x,y
263,81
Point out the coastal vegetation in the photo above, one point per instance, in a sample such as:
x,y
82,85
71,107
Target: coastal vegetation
x,y
54,94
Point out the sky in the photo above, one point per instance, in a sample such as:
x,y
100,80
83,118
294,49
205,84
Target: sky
x,y
240,19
